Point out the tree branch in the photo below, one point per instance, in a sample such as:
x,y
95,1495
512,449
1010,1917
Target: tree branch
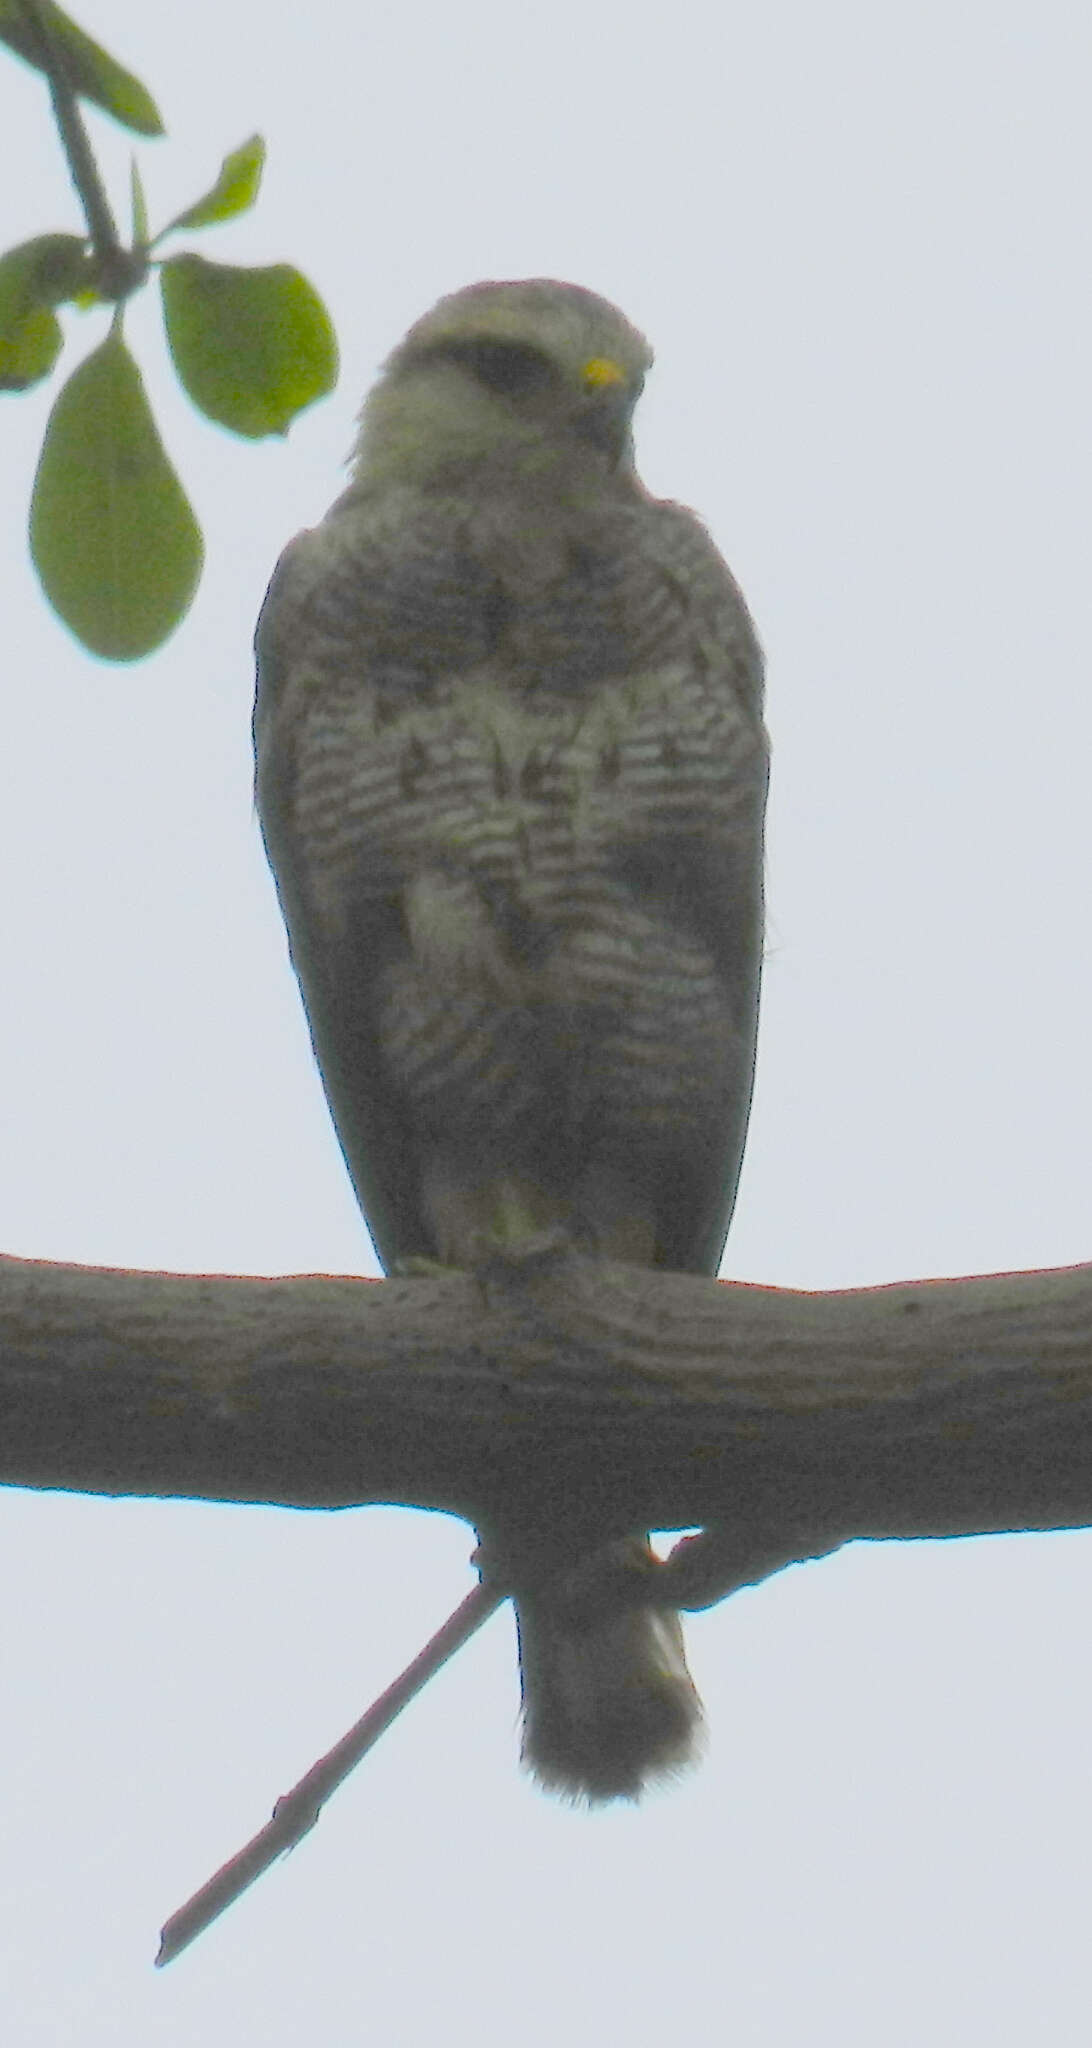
x,y
615,1396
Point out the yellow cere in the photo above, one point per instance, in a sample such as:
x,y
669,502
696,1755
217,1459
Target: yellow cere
x,y
601,371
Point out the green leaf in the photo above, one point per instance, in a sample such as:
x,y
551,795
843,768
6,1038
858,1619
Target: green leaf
x,y
111,531
235,189
252,347
34,278
139,206
90,70
28,353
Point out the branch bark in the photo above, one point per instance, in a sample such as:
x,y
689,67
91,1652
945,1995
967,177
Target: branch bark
x,y
615,1396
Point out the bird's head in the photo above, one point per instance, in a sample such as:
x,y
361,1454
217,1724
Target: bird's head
x,y
535,374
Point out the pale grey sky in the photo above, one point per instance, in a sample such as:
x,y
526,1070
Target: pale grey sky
x,y
857,238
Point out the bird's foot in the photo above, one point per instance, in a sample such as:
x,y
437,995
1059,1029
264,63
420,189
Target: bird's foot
x,y
499,1253
418,1267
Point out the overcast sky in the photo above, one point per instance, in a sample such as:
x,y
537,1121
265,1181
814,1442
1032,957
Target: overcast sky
x,y
857,238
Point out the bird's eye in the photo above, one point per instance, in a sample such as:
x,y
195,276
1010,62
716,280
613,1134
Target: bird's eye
x,y
509,367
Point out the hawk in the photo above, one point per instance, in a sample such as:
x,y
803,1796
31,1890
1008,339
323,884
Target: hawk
x,y
511,777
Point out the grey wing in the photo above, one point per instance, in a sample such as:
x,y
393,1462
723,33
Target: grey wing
x,y
310,686
702,850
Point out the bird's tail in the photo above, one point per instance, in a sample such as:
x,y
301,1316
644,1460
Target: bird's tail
x,y
608,1703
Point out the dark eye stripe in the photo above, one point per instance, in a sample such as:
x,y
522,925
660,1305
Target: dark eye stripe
x,y
509,367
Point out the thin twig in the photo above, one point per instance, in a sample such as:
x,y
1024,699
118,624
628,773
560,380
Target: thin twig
x,y
115,261
296,1812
